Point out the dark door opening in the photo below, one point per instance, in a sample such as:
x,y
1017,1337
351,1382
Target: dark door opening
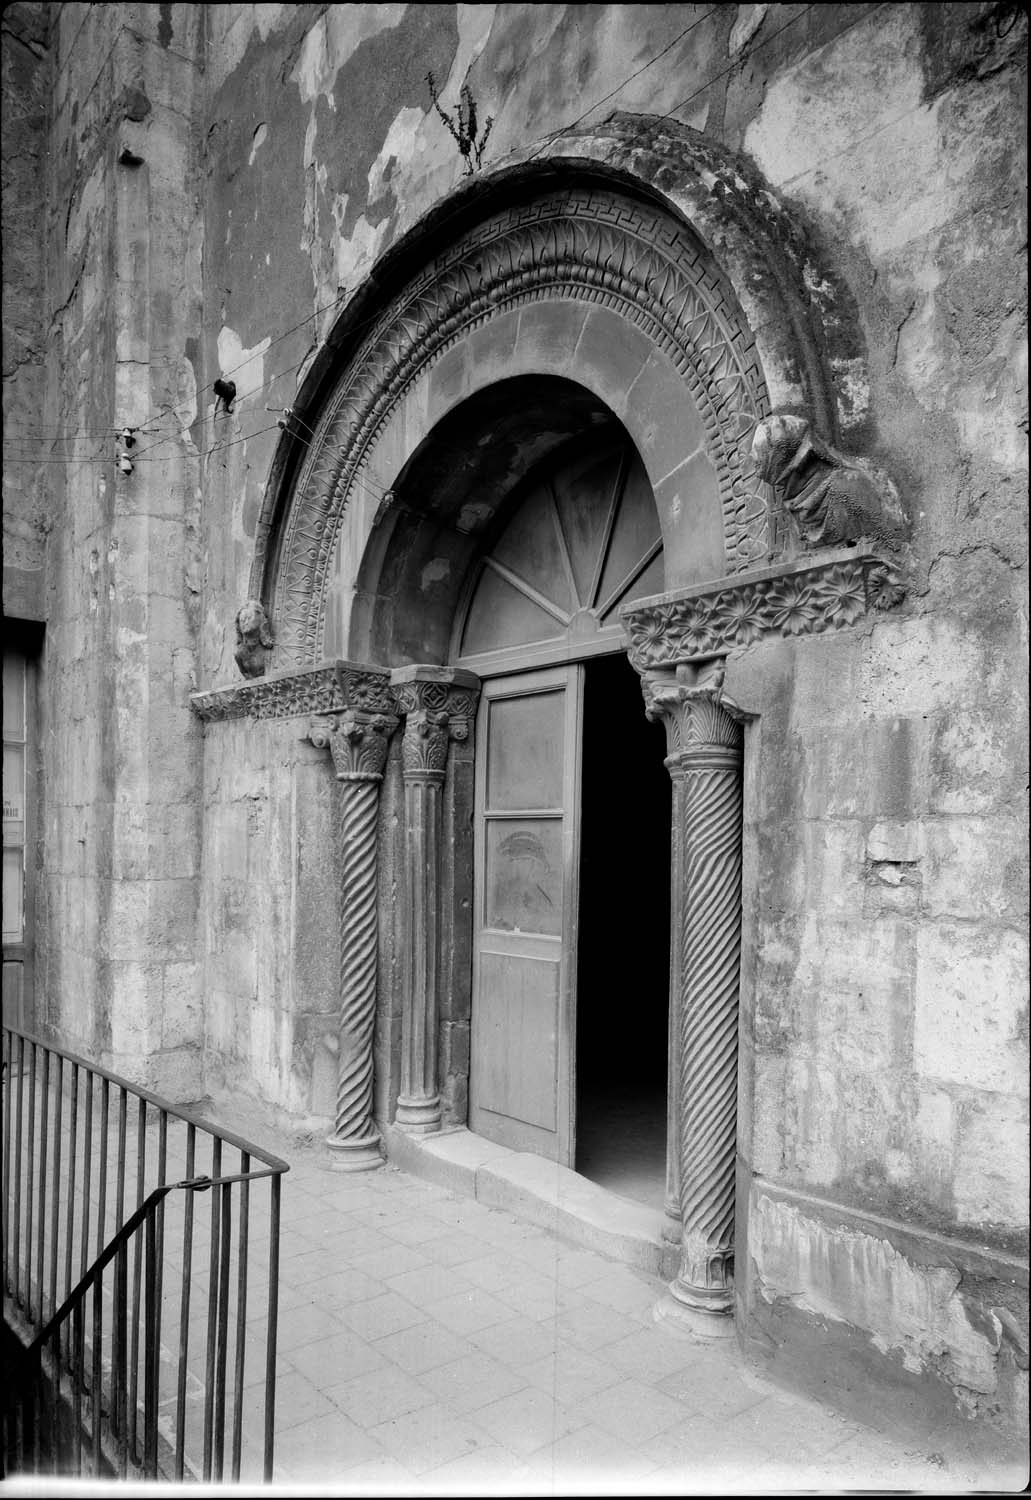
x,y
623,956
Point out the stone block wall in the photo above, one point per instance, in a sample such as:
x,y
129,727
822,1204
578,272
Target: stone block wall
x,y
24,116
119,971
218,219
270,929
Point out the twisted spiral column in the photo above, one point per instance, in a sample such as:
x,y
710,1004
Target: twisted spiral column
x,y
358,743
705,745
711,948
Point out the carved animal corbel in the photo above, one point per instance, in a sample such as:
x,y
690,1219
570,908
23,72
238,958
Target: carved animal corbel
x,y
835,500
253,638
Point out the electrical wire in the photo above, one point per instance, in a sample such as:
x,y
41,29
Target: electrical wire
x,y
565,129
146,428
320,312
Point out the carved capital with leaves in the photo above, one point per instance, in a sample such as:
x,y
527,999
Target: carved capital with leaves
x,y
357,741
438,705
698,718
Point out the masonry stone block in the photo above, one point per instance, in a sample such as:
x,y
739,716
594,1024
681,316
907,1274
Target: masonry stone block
x,y
970,993
976,869
991,1182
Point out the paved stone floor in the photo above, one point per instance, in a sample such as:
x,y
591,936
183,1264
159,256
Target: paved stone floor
x,y
432,1345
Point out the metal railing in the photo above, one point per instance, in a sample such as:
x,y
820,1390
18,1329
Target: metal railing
x,y
141,1275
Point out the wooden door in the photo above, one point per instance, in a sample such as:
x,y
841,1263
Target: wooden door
x,y
521,1086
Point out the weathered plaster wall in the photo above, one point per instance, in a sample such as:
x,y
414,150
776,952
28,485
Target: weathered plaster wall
x,y
24,114
270,927
120,747
887,830
884,941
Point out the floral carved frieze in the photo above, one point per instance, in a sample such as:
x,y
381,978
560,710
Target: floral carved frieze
x,y
327,689
805,598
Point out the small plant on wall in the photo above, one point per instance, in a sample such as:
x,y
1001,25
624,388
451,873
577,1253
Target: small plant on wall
x,y
463,131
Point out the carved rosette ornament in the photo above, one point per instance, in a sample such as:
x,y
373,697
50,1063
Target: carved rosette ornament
x,y
358,742
705,751
438,704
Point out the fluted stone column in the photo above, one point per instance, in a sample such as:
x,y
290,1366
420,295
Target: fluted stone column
x,y
705,754
438,704
358,743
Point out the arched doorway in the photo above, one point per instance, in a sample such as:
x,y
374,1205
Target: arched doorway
x,y
568,1035
429,406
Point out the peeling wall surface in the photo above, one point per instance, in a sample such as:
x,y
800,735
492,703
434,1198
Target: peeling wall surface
x,y
245,191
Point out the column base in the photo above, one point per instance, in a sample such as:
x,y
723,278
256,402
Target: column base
x,y
418,1116
360,1154
683,1317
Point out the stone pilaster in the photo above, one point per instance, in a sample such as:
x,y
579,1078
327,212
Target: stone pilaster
x,y
705,753
358,742
438,704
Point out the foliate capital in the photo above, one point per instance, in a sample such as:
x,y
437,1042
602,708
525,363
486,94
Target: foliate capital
x,y
690,703
357,741
438,705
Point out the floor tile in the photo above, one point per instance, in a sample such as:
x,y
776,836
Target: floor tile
x,y
472,1382
455,1248
422,1347
332,1361
379,1396
591,1458
342,1289
491,1271
305,1325
653,1353
379,1316
429,1284
713,1386
392,1261
424,1439
592,1327
517,1343
487,1471
317,1452
570,1375
632,1412
528,1420
298,1400
470,1311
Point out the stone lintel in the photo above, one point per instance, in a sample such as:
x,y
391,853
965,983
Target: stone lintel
x,y
806,597
327,688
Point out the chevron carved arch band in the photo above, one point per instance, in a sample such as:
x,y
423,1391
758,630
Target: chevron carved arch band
x,y
578,244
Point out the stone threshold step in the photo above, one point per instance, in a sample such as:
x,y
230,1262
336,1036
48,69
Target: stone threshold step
x,y
538,1192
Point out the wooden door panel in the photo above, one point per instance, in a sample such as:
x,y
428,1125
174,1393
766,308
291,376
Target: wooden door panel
x,y
524,951
518,1031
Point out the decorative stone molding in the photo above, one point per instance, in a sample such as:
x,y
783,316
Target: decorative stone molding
x,y
358,742
578,244
439,704
803,598
254,638
329,688
832,500
705,744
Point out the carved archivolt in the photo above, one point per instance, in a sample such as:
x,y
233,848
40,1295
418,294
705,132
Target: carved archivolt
x,y
577,244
